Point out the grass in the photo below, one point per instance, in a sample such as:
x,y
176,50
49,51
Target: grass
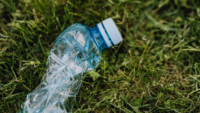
x,y
155,69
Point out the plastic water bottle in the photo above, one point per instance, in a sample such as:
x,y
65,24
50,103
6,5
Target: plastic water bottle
x,y
77,50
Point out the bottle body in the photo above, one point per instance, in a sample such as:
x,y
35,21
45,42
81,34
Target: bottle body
x,y
77,50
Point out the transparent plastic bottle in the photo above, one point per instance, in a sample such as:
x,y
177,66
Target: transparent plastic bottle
x,y
77,50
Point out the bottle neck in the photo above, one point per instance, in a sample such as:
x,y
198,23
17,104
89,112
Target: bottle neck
x,y
97,37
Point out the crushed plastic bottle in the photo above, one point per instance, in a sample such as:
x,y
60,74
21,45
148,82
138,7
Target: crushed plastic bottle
x,y
76,51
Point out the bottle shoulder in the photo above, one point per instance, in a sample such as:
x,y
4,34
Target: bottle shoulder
x,y
78,39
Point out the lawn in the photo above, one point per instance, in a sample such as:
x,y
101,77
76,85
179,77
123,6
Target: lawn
x,y
155,69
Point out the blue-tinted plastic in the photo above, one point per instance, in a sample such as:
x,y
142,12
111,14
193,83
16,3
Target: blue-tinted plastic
x,y
77,50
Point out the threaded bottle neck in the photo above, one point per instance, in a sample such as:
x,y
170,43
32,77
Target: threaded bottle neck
x,y
97,37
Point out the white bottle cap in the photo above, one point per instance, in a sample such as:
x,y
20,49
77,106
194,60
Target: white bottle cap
x,y
110,32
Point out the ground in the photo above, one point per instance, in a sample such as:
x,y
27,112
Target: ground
x,y
154,69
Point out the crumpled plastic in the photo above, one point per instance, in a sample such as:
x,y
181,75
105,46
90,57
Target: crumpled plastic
x,y
72,54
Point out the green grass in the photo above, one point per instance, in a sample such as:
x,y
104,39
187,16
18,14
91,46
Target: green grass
x,y
155,69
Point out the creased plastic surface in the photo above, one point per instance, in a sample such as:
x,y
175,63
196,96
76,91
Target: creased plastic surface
x,y
73,53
